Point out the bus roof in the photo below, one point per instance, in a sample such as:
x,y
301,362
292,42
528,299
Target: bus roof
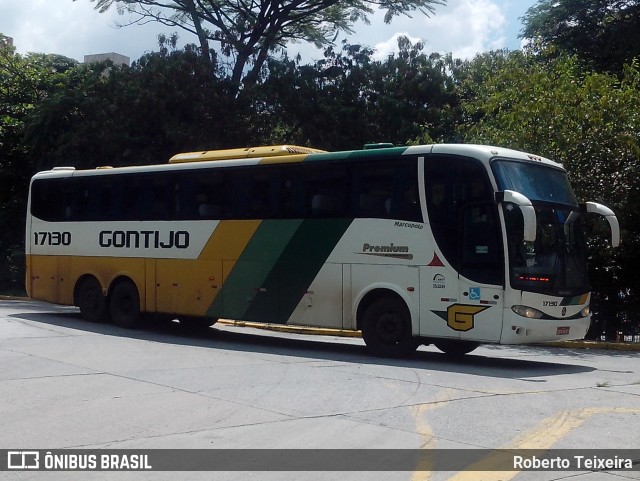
x,y
249,152
291,153
483,152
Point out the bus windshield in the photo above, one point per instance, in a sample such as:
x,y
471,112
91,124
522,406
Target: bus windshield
x,y
556,263
535,181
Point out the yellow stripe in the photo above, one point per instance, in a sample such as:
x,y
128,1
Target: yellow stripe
x,y
542,438
228,241
424,470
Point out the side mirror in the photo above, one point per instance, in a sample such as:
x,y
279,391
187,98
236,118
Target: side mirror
x,y
608,214
528,212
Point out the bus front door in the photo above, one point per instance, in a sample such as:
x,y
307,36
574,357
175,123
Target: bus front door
x,y
481,274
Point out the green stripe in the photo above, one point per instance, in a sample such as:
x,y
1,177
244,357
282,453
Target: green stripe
x,y
357,154
252,268
276,269
296,269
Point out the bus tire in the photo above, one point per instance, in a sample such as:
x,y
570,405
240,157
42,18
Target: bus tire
x,y
124,305
386,328
90,300
456,348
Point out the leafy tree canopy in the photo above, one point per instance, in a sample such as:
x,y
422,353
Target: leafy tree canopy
x,y
588,121
25,81
247,31
603,33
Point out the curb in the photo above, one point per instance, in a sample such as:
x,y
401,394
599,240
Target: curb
x,y
316,331
325,331
615,346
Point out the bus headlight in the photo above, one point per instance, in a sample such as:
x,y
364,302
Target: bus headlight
x,y
529,312
585,312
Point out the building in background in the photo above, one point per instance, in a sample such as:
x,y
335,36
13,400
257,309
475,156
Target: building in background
x,y
116,58
6,42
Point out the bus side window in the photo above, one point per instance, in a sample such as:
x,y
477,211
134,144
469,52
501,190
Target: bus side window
x,y
290,194
97,199
386,189
252,193
463,216
44,203
210,194
372,191
403,202
325,189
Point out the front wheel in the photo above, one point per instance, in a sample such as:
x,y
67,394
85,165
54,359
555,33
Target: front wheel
x,y
456,348
386,328
124,304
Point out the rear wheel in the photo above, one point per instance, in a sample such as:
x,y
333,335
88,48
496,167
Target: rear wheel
x,y
386,328
124,304
456,348
91,301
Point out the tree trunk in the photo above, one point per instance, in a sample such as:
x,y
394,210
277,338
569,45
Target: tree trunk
x,y
238,69
202,35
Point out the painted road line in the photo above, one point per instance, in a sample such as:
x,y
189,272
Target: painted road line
x,y
498,466
424,470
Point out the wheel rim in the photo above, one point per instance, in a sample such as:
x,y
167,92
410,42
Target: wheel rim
x,y
390,327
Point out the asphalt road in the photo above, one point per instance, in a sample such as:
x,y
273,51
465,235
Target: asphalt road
x,y
67,383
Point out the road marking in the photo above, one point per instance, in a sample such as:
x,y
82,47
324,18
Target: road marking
x,y
541,437
424,470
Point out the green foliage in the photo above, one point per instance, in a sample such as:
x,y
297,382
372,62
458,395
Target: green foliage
x,y
352,99
246,33
25,82
105,115
604,34
588,121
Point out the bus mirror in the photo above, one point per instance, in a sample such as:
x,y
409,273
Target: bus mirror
x,y
528,212
608,214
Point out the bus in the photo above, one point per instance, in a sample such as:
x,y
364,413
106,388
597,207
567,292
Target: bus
x,y
447,244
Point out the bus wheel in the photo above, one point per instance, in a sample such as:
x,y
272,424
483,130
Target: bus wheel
x,y
456,348
89,298
124,304
386,328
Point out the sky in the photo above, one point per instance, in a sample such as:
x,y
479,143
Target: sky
x,y
74,29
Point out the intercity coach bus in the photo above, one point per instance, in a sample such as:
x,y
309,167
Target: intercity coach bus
x,y
451,245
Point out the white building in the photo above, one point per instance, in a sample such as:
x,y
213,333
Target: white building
x,y
116,58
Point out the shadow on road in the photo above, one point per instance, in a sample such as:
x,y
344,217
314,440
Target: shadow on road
x,y
514,362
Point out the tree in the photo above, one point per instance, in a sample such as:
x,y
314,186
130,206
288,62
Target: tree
x,y
101,114
603,33
588,121
24,83
249,31
351,99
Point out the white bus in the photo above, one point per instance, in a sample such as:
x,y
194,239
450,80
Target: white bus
x,y
451,245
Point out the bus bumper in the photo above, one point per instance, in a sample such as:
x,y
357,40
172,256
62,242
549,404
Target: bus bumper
x,y
521,330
